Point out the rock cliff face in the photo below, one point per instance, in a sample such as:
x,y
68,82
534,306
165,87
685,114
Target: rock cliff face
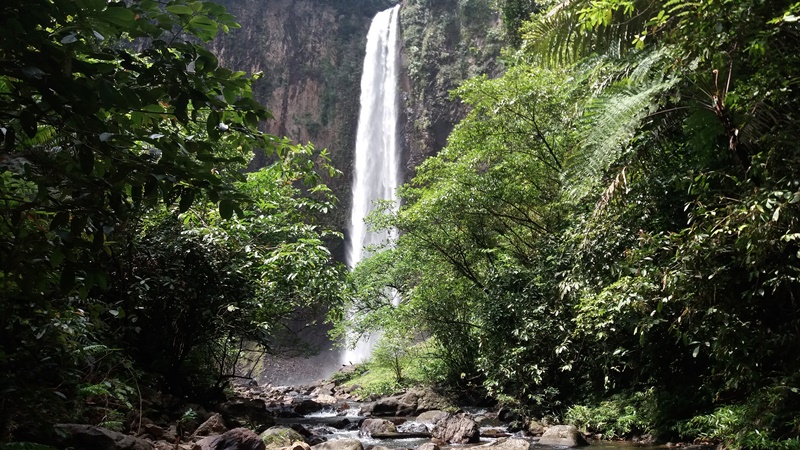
x,y
444,43
310,52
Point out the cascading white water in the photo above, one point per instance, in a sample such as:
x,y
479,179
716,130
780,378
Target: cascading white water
x,y
377,163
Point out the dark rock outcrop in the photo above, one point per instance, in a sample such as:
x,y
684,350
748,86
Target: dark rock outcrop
x,y
236,439
247,410
307,406
98,438
215,424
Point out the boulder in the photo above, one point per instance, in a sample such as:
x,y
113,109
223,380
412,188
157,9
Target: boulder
x,y
513,443
215,424
563,436
307,406
277,437
457,429
246,410
299,445
534,428
412,427
98,438
326,399
340,424
431,417
383,407
156,432
339,444
301,429
428,446
423,399
235,439
370,426
493,433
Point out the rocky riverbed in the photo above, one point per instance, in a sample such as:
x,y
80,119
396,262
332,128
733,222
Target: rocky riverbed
x,y
329,416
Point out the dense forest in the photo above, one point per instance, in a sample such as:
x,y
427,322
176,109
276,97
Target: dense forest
x,y
136,253
609,238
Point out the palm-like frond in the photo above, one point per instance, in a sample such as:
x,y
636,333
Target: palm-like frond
x,y
567,33
611,123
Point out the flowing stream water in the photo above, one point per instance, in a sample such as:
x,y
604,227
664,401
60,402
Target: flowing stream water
x,y
321,421
377,158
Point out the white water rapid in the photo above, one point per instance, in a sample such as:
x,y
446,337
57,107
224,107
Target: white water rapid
x,y
377,159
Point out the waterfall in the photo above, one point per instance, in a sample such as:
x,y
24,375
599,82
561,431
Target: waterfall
x,y
377,157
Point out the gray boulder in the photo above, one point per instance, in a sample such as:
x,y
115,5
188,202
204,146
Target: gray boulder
x,y
340,444
412,427
370,426
387,406
423,399
457,429
563,436
513,443
415,401
431,417
99,438
428,446
235,439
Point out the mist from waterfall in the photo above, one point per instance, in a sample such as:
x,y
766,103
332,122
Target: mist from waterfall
x,y
377,158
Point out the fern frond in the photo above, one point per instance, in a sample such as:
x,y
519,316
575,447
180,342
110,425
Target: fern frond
x,y
45,134
555,39
564,35
611,122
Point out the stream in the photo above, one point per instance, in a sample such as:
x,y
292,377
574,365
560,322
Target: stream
x,y
322,422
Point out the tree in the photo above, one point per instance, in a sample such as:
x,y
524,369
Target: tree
x,y
618,214
115,119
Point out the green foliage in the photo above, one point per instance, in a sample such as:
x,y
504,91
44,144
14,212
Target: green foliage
x,y
396,363
619,416
390,350
131,238
617,213
515,13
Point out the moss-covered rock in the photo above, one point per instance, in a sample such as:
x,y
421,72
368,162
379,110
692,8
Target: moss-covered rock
x,y
278,437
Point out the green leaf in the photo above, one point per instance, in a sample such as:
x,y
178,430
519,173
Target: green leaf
x,y
226,207
180,10
187,198
204,27
120,16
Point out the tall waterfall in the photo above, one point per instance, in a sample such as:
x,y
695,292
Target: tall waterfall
x,y
377,160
